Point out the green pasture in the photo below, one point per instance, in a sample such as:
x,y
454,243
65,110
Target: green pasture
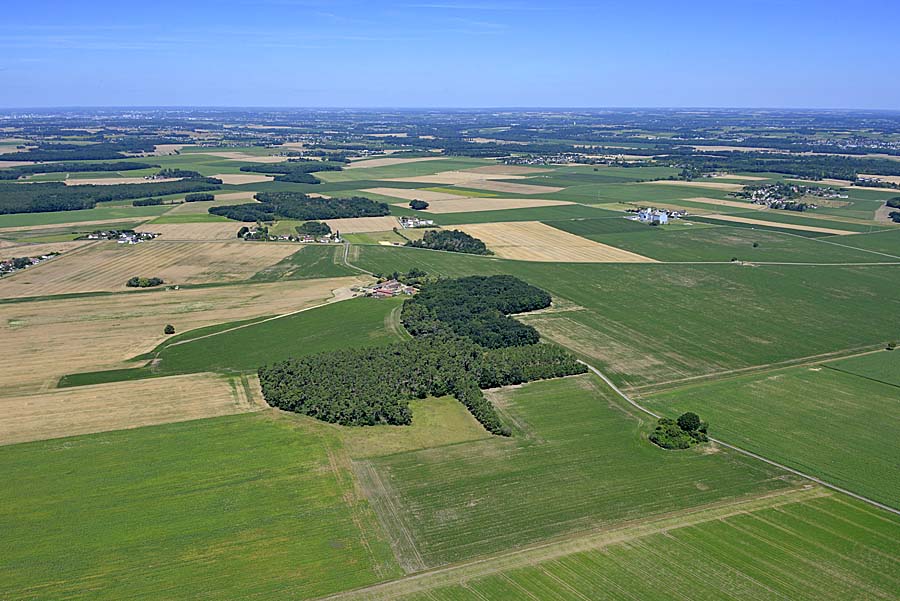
x,y
95,214
827,423
237,507
882,367
822,548
310,261
577,461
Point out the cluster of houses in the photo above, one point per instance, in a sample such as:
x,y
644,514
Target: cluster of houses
x,y
654,216
407,222
791,197
120,236
876,182
9,266
262,234
388,289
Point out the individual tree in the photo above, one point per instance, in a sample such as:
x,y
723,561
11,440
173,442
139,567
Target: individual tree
x,y
418,205
689,422
169,330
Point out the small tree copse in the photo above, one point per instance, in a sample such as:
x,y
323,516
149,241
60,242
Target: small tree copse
x,y
418,205
169,330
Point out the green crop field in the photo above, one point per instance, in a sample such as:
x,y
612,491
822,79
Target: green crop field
x,y
827,423
882,367
819,548
726,243
573,211
792,217
887,242
95,214
578,461
418,168
358,322
310,261
650,323
238,507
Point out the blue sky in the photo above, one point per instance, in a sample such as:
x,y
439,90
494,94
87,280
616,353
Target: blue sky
x,y
447,53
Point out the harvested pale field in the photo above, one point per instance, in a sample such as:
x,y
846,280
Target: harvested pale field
x,y
387,162
248,158
453,178
882,215
749,178
496,141
507,170
511,187
53,338
536,241
4,163
121,405
696,184
110,181
72,224
410,194
837,183
106,266
353,225
399,134
167,149
470,205
239,179
736,149
727,203
10,249
193,231
787,226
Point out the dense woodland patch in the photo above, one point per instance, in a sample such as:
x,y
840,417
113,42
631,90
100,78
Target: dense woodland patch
x,y
465,341
25,170
452,241
295,205
297,171
56,196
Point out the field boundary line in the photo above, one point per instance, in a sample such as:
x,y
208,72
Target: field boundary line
x,y
589,540
336,297
824,483
850,353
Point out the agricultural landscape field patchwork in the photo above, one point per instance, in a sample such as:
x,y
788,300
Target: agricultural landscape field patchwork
x,y
141,424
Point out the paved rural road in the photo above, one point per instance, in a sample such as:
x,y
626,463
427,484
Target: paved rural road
x,y
745,452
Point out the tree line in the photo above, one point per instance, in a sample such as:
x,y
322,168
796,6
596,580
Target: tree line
x,y
26,170
56,196
296,205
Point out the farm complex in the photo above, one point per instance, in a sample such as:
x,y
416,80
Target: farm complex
x,y
428,355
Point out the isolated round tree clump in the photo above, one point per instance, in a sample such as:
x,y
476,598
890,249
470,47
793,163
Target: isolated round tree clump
x,y
169,329
689,422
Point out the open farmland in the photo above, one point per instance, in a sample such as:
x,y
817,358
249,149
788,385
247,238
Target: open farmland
x,y
788,226
472,205
512,187
239,179
413,193
535,241
231,507
193,231
669,243
109,181
881,367
814,419
389,162
106,266
352,225
102,332
357,322
806,545
714,185
87,409
712,318
578,462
